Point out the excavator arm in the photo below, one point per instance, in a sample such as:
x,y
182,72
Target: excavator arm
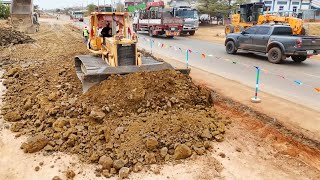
x,y
295,23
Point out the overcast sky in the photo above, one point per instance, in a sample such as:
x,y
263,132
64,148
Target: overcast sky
x,y
52,4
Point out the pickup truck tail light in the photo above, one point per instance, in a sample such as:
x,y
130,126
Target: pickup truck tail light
x,y
299,43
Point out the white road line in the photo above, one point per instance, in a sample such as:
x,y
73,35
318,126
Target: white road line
x,y
312,75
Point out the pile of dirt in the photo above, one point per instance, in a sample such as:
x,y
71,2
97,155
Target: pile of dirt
x,y
128,121
121,124
10,36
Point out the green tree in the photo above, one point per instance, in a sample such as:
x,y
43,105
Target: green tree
x,y
91,8
218,7
4,11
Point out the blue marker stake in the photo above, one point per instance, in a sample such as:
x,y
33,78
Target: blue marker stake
x,y
187,58
255,99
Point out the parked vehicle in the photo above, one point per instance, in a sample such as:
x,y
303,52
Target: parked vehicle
x,y
190,15
157,21
77,16
277,41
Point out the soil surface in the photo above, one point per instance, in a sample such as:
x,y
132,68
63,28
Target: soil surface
x,y
151,119
213,33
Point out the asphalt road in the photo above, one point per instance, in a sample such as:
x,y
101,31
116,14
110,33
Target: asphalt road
x,y
244,72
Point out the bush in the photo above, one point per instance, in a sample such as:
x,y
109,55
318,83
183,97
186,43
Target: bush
x,y
4,11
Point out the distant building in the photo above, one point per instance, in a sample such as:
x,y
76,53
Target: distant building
x,y
290,5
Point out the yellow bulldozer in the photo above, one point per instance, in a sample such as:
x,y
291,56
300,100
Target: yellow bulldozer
x,y
256,13
113,54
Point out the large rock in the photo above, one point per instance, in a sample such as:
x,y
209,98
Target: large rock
x,y
13,71
163,152
106,162
151,143
59,124
34,144
206,134
118,164
13,116
124,172
70,174
150,158
97,114
182,151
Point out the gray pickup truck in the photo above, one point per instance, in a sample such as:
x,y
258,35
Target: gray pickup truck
x,y
277,41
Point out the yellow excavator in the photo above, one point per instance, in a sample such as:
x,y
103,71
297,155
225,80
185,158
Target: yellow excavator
x,y
22,16
113,54
256,13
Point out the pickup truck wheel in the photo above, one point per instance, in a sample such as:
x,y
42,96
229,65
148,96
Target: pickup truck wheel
x,y
275,55
298,59
231,47
192,33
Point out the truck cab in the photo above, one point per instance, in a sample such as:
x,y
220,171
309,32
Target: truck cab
x,y
191,19
183,9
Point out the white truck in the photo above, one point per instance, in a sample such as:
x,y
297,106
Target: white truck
x,y
190,15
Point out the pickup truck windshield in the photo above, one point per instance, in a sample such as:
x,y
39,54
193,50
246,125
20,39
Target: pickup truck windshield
x,y
187,14
282,31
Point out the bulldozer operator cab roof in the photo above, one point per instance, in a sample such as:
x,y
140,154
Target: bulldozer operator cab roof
x,y
101,19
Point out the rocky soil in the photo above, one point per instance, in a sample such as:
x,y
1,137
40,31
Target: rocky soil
x,y
10,36
121,124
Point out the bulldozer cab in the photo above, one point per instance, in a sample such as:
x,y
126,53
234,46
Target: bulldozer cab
x,y
108,27
251,12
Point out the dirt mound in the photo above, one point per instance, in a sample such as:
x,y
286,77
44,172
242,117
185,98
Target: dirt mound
x,y
10,36
137,119
141,92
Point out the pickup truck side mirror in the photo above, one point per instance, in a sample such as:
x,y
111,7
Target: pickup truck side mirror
x,y
243,32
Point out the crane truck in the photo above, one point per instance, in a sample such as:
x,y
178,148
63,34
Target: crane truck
x,y
157,20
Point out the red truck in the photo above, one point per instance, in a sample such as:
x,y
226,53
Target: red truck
x,y
157,20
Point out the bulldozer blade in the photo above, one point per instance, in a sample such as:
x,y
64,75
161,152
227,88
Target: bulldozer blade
x,y
92,70
184,71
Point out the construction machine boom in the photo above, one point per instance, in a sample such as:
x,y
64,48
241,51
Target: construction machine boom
x,y
255,14
114,53
22,17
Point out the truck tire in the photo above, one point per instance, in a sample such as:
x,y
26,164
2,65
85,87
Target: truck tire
x,y
151,32
192,33
228,29
298,59
238,29
275,55
135,28
231,47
